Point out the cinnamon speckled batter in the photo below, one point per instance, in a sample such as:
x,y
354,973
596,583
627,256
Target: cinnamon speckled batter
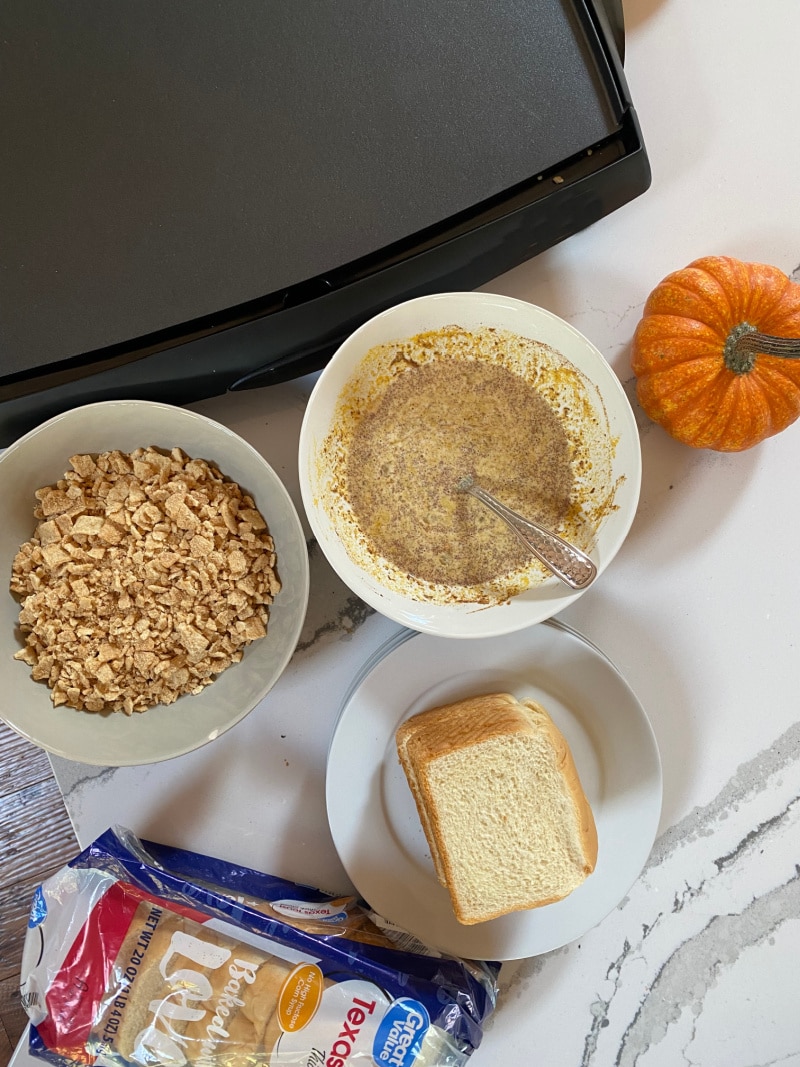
x,y
421,412
434,424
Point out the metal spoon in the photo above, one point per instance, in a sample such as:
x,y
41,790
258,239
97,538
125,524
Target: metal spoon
x,y
567,562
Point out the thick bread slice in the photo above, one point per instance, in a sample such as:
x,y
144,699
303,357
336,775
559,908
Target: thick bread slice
x,y
500,802
459,716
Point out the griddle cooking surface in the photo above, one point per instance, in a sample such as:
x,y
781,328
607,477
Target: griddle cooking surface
x,y
166,161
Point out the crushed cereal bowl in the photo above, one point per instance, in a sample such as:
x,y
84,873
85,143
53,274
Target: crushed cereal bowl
x,y
155,582
454,386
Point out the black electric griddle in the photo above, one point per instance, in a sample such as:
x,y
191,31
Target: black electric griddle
x,y
201,197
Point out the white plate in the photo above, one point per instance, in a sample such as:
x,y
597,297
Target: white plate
x,y
373,819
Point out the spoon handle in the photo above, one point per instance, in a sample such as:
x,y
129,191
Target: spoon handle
x,y
566,561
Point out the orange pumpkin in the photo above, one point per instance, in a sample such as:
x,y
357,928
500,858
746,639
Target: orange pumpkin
x,y
691,379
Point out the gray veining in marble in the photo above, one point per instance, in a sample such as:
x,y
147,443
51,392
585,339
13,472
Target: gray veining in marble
x,y
694,966
703,900
333,609
751,777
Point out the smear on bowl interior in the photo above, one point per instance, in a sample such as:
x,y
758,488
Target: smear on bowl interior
x,y
421,413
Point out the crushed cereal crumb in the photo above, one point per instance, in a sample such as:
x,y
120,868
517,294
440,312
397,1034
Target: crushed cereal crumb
x,y
146,577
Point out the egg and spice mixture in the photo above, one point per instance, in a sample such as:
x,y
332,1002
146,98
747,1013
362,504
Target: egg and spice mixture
x,y
422,413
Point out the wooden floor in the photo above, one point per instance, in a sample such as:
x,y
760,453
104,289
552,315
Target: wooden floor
x,y
36,838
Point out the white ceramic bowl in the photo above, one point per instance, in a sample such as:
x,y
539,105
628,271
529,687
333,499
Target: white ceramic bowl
x,y
40,458
470,311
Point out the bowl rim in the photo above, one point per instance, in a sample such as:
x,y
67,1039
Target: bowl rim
x,y
301,583
123,402
396,606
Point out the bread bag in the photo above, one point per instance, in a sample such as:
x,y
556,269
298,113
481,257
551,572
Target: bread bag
x,y
141,954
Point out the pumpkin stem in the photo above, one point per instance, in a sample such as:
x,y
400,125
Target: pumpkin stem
x,y
745,343
736,360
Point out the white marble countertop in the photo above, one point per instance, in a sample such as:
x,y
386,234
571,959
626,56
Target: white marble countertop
x,y
700,611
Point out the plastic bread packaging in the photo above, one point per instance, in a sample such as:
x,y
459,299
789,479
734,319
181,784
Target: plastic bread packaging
x,y
141,954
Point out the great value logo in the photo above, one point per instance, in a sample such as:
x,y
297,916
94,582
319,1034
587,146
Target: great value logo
x,y
398,1040
38,910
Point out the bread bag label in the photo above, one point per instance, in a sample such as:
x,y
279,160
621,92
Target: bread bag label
x,y
135,966
301,909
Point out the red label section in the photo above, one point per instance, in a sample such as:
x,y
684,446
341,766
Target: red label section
x,y
77,990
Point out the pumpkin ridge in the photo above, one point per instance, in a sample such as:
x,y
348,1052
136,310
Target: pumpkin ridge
x,y
787,369
783,319
658,393
718,324
784,404
723,283
763,300
670,345
686,367
749,390
727,434
688,318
